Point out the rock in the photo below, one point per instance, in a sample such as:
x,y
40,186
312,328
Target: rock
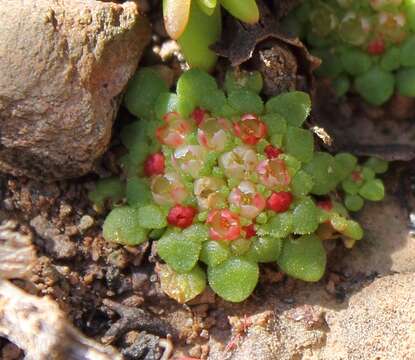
x,y
379,322
376,322
63,66
53,241
387,246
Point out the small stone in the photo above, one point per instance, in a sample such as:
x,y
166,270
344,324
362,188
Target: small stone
x,y
195,351
204,334
64,210
85,223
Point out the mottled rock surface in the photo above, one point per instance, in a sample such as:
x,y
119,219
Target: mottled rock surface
x,y
379,322
63,65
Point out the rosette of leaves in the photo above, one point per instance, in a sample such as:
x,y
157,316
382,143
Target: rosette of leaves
x,y
223,182
366,46
196,24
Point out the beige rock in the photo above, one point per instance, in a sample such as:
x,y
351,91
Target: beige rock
x,y
63,65
379,323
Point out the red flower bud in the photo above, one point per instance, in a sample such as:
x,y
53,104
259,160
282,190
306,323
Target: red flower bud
x,y
280,201
249,231
198,115
376,47
154,164
326,205
357,176
272,152
181,216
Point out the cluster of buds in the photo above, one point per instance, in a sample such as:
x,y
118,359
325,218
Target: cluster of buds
x,y
233,190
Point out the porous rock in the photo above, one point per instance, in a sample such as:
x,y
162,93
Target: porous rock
x,y
63,66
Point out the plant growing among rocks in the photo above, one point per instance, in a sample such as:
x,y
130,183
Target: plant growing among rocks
x,y
366,46
224,182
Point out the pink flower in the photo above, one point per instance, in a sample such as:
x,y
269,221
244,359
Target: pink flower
x,y
273,173
247,199
214,133
250,129
207,192
224,225
167,189
174,132
190,159
239,163
391,26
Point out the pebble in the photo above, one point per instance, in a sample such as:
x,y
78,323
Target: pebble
x,y
85,223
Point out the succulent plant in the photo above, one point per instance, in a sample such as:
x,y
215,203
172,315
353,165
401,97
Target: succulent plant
x,y
197,24
223,182
366,46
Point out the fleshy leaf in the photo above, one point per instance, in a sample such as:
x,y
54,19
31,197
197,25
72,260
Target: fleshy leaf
x,y
181,287
235,279
176,16
142,92
303,258
294,106
178,252
122,226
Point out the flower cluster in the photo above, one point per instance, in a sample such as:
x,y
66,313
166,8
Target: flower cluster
x,y
223,183
365,45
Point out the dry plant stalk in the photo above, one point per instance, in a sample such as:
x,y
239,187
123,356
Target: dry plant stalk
x,y
40,328
35,324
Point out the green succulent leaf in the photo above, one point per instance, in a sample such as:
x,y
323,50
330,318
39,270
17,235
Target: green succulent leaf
x,y
214,253
201,32
375,86
324,171
373,190
182,287
138,192
142,92
235,279
246,102
176,16
180,253
265,249
305,217
303,258
151,217
246,11
299,143
405,82
191,89
294,106
122,226
105,189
